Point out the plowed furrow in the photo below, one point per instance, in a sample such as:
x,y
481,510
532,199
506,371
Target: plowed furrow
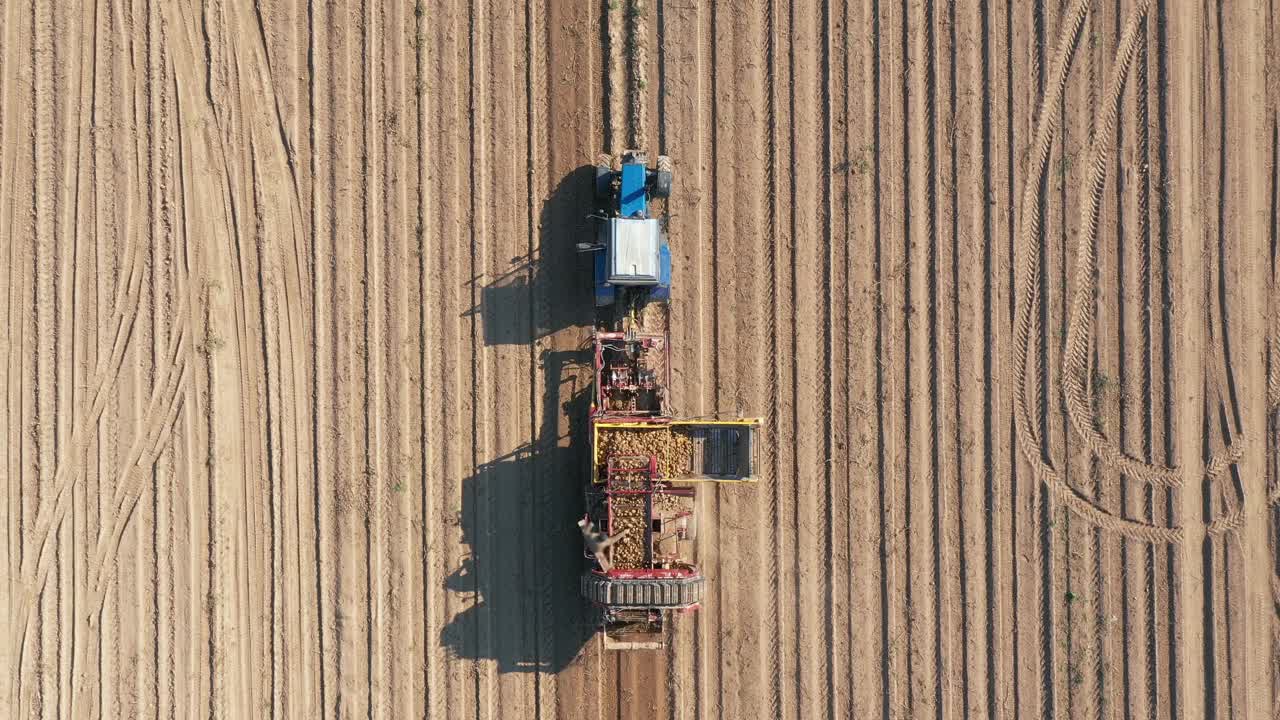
x,y
922,492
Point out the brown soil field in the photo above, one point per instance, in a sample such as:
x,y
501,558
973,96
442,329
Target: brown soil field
x,y
294,394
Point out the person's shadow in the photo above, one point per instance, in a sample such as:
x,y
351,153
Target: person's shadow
x,y
519,511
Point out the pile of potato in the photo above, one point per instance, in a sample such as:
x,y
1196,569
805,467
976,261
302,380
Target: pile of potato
x,y
672,449
664,504
629,481
628,514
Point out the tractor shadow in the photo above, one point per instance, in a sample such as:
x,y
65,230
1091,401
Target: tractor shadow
x,y
529,299
519,511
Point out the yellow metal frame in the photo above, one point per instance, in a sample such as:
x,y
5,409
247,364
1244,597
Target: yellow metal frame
x,y
595,440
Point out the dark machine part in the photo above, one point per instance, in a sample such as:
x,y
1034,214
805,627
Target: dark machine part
x,y
632,374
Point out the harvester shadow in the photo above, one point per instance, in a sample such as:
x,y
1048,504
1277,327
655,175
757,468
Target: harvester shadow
x,y
517,306
519,511
518,519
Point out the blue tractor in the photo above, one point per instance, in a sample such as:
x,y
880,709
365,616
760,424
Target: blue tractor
x,y
632,261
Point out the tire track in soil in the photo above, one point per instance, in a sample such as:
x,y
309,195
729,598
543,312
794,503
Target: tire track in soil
x,y
1218,558
44,421
773,518
48,433
844,283
687,72
1222,656
948,543
729,32
115,110
999,451
85,342
400,613
794,223
830,286
380,122
703,399
1067,554
860,377
150,522
195,693
683,54
10,346
1223,460
1074,559
512,421
152,459
480,69
1273,356
525,625
1136,561
20,221
542,616
285,314
324,210
1020,40
848,297
1243,347
529,86
1116,389
812,347
37,563
237,454
1127,45
65,223
421,516
1135,279
969,187
919,228
1163,641
895,427
572,141
163,538
740,137
353,613
1141,689
234,446
463,684
127,618
439,359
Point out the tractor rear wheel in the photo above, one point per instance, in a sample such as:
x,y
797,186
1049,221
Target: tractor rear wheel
x,y
663,178
604,176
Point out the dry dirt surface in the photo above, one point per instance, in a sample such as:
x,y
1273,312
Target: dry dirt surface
x,y
293,382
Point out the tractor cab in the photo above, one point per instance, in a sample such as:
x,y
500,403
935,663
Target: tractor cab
x,y
632,260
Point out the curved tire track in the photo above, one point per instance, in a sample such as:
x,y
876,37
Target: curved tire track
x,y
1032,446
